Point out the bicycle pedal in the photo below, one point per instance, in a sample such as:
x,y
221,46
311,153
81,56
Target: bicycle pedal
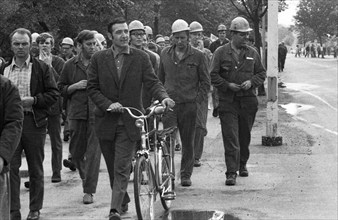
x,y
169,196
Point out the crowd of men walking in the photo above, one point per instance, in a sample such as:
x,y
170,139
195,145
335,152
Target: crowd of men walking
x,y
40,91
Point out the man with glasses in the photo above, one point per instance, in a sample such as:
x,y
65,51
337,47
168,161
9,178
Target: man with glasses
x,y
236,71
66,47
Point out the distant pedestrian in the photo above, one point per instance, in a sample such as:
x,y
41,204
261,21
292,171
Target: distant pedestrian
x,y
222,40
307,51
282,51
11,120
236,71
298,51
38,91
83,146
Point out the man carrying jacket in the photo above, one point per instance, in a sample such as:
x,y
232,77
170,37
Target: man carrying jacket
x,y
38,91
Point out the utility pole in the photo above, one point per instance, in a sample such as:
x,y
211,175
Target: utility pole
x,y
272,138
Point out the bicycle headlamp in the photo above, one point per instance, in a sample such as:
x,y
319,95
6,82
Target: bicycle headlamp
x,y
139,123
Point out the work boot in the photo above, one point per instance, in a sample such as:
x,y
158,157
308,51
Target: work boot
x,y
197,163
69,164
56,178
215,112
88,198
231,179
243,171
185,181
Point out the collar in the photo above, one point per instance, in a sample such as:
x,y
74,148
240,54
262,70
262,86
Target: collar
x,y
13,64
125,50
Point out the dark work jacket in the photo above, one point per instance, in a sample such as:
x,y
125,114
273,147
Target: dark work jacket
x,y
11,119
57,64
217,43
43,88
105,87
79,105
226,69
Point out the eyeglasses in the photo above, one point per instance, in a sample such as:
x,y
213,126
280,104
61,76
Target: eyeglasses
x,y
138,33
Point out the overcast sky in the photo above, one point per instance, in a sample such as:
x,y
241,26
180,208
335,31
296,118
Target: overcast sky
x,y
286,17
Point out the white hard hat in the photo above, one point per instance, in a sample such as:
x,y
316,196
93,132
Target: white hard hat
x,y
34,36
179,25
136,25
195,27
67,40
159,39
148,30
100,37
240,24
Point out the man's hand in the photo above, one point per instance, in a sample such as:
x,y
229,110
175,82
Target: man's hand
x,y
234,87
115,107
168,103
1,164
27,102
80,85
246,85
46,58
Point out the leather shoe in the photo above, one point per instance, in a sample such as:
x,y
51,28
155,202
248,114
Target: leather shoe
x,y
231,179
243,171
178,147
56,178
114,216
69,164
15,215
185,181
27,184
88,198
197,163
124,208
33,215
215,112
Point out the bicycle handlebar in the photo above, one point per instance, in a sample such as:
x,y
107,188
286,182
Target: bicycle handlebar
x,y
153,110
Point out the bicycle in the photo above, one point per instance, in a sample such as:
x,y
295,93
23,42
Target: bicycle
x,y
150,180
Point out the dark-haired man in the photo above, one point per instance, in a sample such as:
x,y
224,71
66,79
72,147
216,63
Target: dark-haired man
x,y
45,42
38,91
83,146
115,79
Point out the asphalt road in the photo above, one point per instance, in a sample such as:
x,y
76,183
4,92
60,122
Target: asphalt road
x,y
297,180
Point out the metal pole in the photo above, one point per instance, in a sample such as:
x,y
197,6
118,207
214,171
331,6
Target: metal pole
x,y
272,138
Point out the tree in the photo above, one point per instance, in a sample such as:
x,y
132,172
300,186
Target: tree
x,y
318,15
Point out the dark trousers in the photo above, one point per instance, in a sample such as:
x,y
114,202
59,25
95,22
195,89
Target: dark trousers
x,y
86,153
32,142
54,131
201,127
4,196
237,119
118,155
184,117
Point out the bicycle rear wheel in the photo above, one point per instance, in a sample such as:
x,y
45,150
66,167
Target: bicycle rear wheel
x,y
168,180
144,189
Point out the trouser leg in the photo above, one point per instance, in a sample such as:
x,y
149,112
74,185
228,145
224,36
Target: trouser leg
x,y
228,113
54,131
78,144
247,115
4,196
92,161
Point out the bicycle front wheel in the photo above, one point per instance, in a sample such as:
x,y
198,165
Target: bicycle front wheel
x,y
168,180
144,189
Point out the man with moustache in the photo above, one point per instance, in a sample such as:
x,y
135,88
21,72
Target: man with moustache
x,y
83,145
236,71
115,79
38,91
184,73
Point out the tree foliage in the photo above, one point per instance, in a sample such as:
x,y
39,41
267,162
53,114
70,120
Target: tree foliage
x,y
318,15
